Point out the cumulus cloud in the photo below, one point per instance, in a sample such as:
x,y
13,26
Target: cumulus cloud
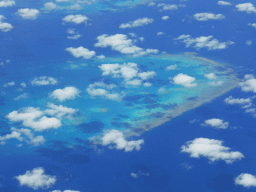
x,y
204,42
21,135
27,13
252,24
65,93
210,76
34,118
7,3
137,23
81,52
50,6
249,42
36,179
128,71
208,16
77,19
211,149
160,33
44,80
24,85
165,17
9,84
5,27
171,67
224,3
121,43
184,80
117,140
103,90
22,96
216,123
246,7
169,6
241,101
248,84
246,180
60,111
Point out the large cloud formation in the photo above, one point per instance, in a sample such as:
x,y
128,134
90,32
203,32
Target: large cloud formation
x,y
121,43
211,149
27,13
246,180
36,179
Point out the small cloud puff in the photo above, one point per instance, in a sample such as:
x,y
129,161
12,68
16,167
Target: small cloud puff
x,y
208,16
50,6
65,191
116,138
210,76
65,93
165,17
36,179
241,101
184,80
204,42
211,149
27,13
216,123
7,3
44,80
137,23
246,180
252,24
5,27
246,7
248,84
9,84
81,52
77,19
224,3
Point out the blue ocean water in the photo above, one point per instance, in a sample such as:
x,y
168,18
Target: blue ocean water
x,y
38,50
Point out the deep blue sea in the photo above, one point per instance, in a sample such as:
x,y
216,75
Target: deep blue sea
x,y
36,48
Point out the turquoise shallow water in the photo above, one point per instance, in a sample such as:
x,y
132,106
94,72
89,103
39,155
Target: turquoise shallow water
x,y
137,109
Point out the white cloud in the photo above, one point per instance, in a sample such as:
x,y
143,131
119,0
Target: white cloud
x,y
216,83
246,180
246,7
168,6
171,67
160,33
7,3
248,84
24,85
77,36
165,17
241,101
208,16
9,84
23,134
224,3
5,27
204,42
101,57
81,52
103,90
65,191
77,19
116,138
50,6
34,118
129,71
59,111
211,149
65,93
147,84
22,96
249,42
210,76
252,24
184,80
121,43
36,179
216,123
137,23
44,80
151,4
27,13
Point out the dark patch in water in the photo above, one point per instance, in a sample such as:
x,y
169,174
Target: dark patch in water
x,y
121,124
2,101
158,114
123,116
91,127
192,98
